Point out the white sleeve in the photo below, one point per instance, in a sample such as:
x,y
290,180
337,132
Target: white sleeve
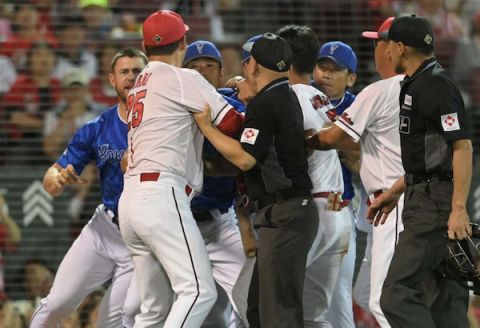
x,y
361,113
198,93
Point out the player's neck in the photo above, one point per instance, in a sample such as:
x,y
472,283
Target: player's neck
x,y
413,63
170,59
296,78
122,111
267,78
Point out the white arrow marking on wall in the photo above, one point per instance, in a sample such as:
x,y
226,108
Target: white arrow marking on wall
x,y
37,203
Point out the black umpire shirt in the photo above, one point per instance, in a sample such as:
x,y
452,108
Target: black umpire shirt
x,y
432,115
273,134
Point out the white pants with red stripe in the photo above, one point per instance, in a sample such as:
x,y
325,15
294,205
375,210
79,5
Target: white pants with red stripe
x,y
225,250
168,253
324,261
384,239
97,255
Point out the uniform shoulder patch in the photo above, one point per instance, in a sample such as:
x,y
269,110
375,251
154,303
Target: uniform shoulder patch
x,y
249,136
450,122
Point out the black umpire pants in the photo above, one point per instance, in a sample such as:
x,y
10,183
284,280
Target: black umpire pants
x,y
286,232
414,295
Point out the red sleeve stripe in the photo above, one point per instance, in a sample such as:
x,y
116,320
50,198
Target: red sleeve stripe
x,y
231,123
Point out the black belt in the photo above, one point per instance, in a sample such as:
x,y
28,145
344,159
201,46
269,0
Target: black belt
x,y
415,178
281,196
112,216
205,215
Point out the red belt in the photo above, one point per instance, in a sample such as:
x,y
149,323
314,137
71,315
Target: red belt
x,y
337,197
153,176
375,195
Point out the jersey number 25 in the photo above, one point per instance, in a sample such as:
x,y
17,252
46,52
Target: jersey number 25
x,y
135,105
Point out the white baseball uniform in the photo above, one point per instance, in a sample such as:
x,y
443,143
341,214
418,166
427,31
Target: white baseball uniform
x,y
331,243
165,164
373,120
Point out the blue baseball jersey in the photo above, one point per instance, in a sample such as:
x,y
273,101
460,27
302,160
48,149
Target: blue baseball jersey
x,y
103,140
217,192
340,106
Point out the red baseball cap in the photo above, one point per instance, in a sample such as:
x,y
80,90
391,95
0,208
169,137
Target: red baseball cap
x,y
162,28
382,32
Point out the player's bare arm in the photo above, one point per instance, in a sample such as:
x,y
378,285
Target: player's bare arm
x,y
57,177
381,206
14,234
230,148
351,159
459,222
332,138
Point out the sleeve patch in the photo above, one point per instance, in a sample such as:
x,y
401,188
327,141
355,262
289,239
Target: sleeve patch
x,y
249,136
450,122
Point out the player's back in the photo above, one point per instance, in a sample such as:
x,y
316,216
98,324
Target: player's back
x,y
373,119
323,166
163,136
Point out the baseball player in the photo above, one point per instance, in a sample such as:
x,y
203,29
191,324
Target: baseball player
x,y
373,120
165,170
334,74
213,208
99,253
335,224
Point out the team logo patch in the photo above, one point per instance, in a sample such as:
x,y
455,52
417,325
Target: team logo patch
x,y
319,101
249,136
428,39
157,39
404,124
333,47
281,65
199,46
346,118
450,122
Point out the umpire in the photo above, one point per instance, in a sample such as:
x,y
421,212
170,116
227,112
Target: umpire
x,y
437,157
273,155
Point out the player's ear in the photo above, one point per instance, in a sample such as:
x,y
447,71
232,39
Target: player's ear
x,y
351,79
183,44
111,79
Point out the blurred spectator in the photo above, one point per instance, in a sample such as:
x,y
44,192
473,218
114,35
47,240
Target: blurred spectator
x,y
467,56
10,236
6,11
27,30
71,51
26,103
445,21
74,110
232,62
88,310
37,280
101,89
9,317
99,20
128,27
141,10
8,74
47,11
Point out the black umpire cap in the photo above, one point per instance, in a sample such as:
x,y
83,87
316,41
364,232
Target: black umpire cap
x,y
271,51
413,31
